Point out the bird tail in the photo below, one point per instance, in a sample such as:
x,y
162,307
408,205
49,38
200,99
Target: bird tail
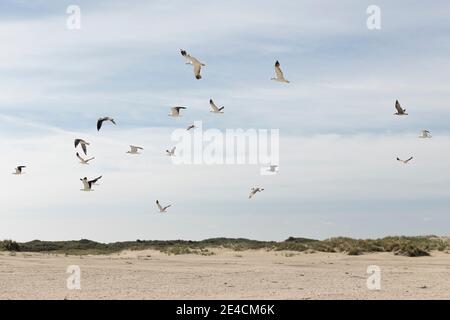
x,y
198,77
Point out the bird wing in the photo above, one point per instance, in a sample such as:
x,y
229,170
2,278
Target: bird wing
x,y
79,157
76,142
159,206
409,159
173,150
99,124
83,146
166,207
213,106
95,180
112,120
398,107
278,71
197,69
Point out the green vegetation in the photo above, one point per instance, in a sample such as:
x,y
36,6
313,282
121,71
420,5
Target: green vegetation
x,y
407,246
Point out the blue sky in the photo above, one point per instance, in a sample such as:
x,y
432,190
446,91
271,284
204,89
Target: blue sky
x,y
339,138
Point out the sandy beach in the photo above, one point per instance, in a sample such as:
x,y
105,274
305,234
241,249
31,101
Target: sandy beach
x,y
227,274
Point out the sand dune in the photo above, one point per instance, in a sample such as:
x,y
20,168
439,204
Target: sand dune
x,y
225,275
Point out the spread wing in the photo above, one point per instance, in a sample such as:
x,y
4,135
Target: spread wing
x,y
278,71
197,69
398,107
95,180
99,124
213,105
78,156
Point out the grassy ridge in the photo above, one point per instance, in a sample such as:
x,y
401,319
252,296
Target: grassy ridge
x,y
407,246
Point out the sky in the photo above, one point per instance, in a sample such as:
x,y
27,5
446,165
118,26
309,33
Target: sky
x,y
338,137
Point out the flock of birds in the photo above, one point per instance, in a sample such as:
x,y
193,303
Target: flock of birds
x,y
175,112
425,134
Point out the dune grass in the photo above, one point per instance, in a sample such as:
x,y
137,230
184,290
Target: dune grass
x,y
406,246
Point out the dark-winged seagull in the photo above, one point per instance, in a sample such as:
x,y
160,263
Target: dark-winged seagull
x,y
279,74
161,208
193,61
101,120
214,108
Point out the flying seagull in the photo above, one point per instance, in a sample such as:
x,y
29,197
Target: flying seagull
x,y
162,209
191,127
87,184
84,161
215,109
171,153
405,161
19,170
193,61
101,120
425,134
400,110
272,168
253,191
175,111
83,145
134,150
279,74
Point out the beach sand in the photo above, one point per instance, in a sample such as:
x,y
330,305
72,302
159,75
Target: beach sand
x,y
227,274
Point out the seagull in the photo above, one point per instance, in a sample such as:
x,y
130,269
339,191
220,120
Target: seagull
x,y
19,170
84,161
193,61
134,150
191,127
171,153
175,111
400,110
162,209
425,134
83,145
405,161
253,191
272,168
87,184
101,120
215,109
279,74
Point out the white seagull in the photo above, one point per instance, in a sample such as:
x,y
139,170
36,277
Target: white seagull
x,y
400,110
193,61
253,191
215,109
272,168
83,145
425,134
279,74
134,150
18,170
171,153
87,184
175,111
405,161
101,120
162,209
84,161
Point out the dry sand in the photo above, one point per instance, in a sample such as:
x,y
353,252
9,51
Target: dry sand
x,y
225,275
